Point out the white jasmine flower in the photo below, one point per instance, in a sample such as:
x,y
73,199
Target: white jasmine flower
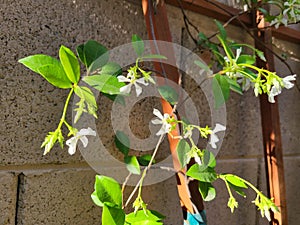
x,y
198,160
275,90
188,132
163,119
287,81
132,80
256,89
213,137
80,135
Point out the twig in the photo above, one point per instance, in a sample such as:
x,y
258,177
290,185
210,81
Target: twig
x,y
145,171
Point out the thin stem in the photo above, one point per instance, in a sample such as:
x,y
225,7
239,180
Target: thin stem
x,y
139,184
62,120
124,185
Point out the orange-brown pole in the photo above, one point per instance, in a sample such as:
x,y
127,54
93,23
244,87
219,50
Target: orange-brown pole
x,y
158,29
271,134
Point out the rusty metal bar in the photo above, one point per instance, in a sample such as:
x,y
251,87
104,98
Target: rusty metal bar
x,y
158,29
224,12
272,137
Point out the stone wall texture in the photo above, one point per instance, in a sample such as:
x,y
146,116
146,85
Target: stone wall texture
x,y
56,188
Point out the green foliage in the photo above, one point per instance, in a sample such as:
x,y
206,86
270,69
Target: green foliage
x,y
138,45
51,139
207,191
122,142
87,102
132,165
49,68
107,192
145,159
222,30
236,71
202,173
70,64
104,83
182,149
112,215
93,55
150,217
111,68
221,90
169,94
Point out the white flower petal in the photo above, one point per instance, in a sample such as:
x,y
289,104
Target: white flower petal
x,y
287,81
238,53
198,160
219,127
138,89
84,141
213,137
142,81
123,79
126,89
72,142
157,113
271,98
87,131
156,121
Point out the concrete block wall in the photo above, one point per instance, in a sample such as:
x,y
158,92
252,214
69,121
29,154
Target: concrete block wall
x,y
56,188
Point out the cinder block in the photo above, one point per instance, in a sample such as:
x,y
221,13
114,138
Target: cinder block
x,y
288,102
8,196
29,105
58,197
63,197
291,169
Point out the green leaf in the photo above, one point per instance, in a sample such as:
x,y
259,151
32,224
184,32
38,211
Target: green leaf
x,y
221,89
237,189
261,55
209,159
132,165
207,191
137,44
122,142
50,140
111,68
226,47
70,64
247,59
202,65
169,94
234,85
105,83
107,191
112,216
49,68
90,51
154,56
202,36
145,159
88,98
202,173
223,34
140,218
182,150
235,180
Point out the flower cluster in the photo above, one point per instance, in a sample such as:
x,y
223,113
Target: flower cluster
x,y
135,76
273,85
265,204
290,13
